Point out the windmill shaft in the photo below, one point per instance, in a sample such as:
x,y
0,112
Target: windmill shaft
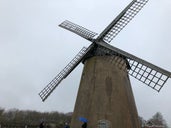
x,y
105,95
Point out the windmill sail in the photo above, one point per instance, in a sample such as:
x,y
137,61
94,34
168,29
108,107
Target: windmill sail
x,y
64,73
122,20
79,30
153,76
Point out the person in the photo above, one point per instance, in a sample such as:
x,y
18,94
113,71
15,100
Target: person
x,y
84,125
42,124
66,125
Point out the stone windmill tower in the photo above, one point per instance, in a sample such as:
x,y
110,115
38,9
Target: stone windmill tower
x,y
105,96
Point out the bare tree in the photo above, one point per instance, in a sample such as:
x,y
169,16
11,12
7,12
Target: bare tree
x,y
158,119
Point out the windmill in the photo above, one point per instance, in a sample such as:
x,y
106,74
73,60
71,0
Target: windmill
x,y
105,96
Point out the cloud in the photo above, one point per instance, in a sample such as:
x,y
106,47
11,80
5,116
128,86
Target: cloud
x,y
33,49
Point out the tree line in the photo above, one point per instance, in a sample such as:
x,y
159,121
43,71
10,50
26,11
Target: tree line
x,y
28,118
156,121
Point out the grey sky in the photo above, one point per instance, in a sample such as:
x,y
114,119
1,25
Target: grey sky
x,y
33,50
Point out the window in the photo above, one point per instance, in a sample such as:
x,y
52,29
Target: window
x,y
103,124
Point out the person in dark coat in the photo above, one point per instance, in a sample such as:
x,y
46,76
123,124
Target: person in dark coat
x,y
66,125
42,124
84,125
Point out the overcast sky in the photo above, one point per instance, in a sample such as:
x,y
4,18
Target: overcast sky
x,y
33,50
